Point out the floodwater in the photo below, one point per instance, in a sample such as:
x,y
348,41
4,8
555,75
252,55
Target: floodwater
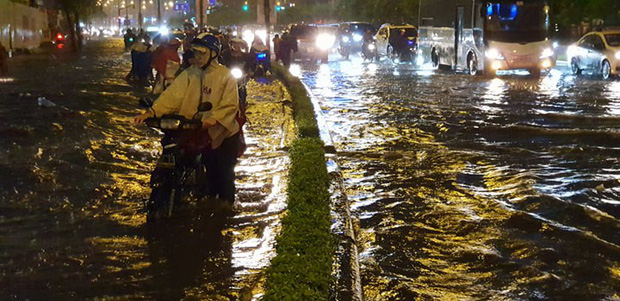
x,y
74,174
474,188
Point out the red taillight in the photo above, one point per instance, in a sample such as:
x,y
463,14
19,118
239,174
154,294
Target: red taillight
x,y
60,46
60,37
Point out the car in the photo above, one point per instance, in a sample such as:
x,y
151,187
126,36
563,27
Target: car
x,y
387,35
597,51
313,43
357,31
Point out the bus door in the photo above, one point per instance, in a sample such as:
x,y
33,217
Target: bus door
x,y
458,34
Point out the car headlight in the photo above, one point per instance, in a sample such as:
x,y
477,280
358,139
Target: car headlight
x,y
546,53
357,37
346,39
236,73
493,54
618,55
325,41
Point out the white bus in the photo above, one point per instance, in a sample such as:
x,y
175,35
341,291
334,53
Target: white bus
x,y
486,36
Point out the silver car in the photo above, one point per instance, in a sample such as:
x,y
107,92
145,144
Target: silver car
x,y
596,51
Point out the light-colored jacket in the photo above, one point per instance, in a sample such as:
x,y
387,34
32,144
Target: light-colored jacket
x,y
218,86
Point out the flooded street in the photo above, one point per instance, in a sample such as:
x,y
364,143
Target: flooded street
x,y
474,188
74,174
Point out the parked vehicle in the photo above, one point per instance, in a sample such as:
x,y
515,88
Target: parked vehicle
x,y
397,42
312,43
486,36
598,52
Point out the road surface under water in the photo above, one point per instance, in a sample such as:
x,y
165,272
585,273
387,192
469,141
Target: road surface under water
x,y
73,177
474,188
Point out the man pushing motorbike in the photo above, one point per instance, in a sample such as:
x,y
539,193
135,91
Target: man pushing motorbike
x,y
207,81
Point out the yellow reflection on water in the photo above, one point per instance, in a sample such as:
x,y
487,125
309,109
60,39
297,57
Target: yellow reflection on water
x,y
493,97
613,95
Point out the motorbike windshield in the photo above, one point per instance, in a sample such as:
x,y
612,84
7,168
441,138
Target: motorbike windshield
x,y
516,21
613,40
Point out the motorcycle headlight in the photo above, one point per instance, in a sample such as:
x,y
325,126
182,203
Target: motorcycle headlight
x,y
345,39
493,54
325,41
546,53
169,124
357,37
236,73
371,47
618,55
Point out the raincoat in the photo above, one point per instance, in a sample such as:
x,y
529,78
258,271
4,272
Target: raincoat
x,y
195,85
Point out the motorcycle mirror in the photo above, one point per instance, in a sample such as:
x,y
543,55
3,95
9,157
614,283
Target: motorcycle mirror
x,y
205,106
146,102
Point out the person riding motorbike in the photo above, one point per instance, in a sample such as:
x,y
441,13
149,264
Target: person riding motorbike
x,y
129,38
264,63
166,62
399,43
207,81
368,40
141,70
237,57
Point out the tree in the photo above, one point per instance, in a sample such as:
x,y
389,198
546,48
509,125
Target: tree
x,y
76,12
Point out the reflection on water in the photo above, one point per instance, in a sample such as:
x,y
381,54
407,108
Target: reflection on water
x,y
472,188
73,178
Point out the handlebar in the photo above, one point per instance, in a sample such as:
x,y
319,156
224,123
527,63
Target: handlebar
x,y
173,123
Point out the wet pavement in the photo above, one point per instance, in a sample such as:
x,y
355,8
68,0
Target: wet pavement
x,y
475,188
74,174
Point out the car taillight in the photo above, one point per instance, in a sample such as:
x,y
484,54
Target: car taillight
x,y
59,37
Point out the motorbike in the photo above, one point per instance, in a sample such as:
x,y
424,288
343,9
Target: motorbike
x,y
369,51
179,164
242,80
344,48
409,53
261,63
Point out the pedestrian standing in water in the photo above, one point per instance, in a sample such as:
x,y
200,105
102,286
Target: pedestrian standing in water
x,y
4,60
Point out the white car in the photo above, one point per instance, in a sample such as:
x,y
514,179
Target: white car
x,y
596,51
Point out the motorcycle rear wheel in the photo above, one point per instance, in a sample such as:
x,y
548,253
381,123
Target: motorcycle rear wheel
x,y
161,203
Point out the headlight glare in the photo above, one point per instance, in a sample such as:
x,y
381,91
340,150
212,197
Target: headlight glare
x,y
618,55
236,73
325,41
546,53
357,37
493,54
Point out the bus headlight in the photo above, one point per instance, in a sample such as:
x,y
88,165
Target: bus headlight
x,y
618,55
496,65
493,54
325,41
548,52
546,64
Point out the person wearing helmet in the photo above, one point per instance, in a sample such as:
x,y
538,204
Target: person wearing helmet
x,y
207,81
236,55
166,62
